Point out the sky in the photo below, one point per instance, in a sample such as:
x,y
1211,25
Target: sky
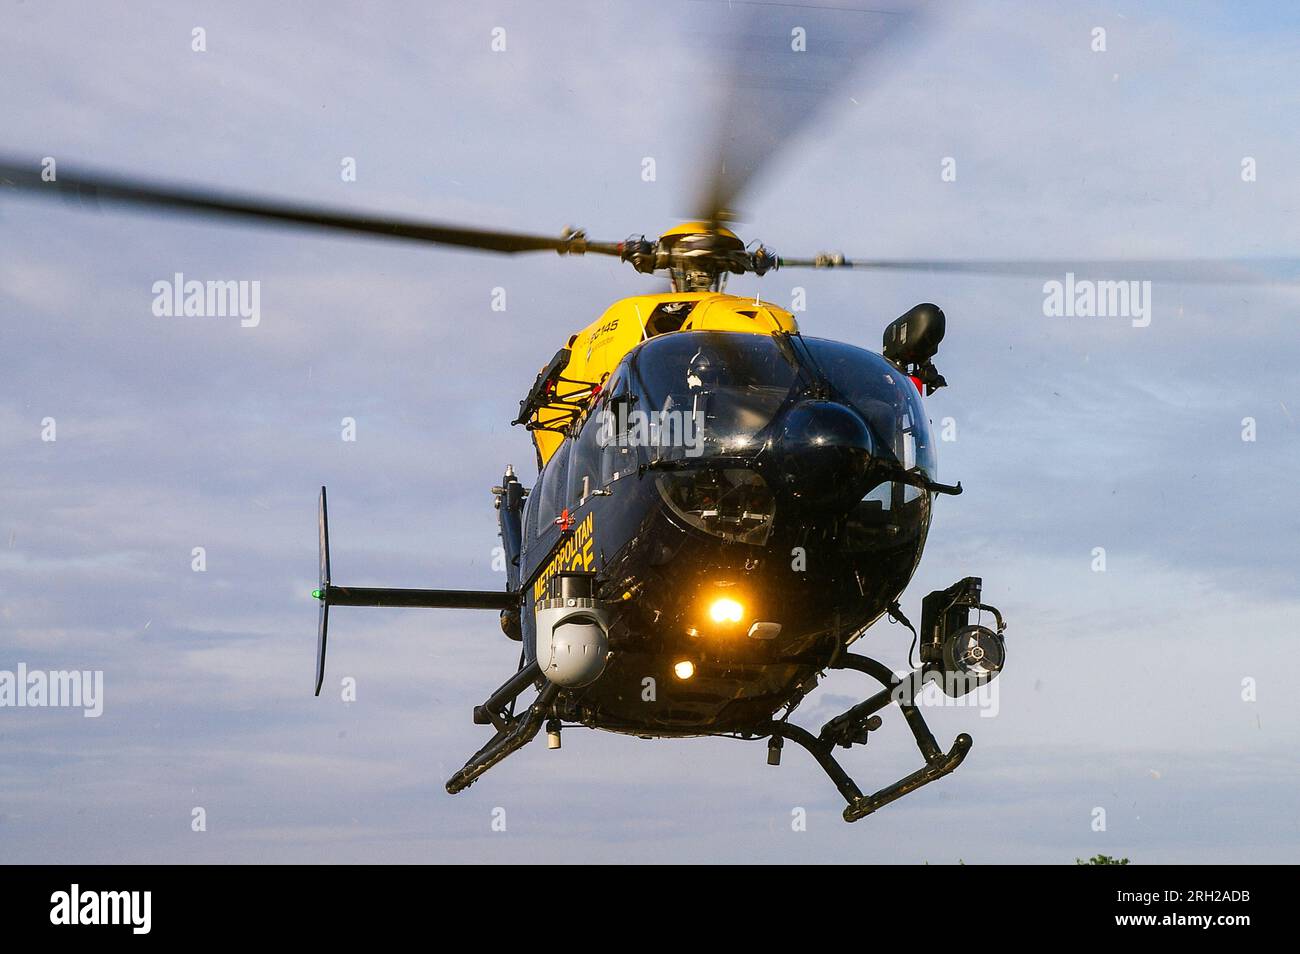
x,y
1145,710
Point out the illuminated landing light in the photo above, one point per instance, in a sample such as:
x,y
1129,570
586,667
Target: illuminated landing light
x,y
684,669
726,610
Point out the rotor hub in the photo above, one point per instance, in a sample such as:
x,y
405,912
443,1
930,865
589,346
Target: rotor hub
x,y
698,256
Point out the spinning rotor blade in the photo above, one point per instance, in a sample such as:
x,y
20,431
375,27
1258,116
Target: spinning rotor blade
x,y
92,189
772,90
779,79
1209,271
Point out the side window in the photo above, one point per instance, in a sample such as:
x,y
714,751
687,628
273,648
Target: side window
x,y
602,449
554,483
618,452
530,511
584,467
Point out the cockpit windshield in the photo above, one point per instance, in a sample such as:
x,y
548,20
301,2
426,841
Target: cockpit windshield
x,y
715,393
709,393
727,400
883,395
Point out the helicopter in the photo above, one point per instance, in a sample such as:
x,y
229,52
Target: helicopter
x,y
723,505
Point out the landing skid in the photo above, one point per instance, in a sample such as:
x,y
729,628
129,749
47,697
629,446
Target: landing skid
x,y
852,727
847,729
513,732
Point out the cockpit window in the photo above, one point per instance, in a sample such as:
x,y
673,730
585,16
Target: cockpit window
x,y
714,393
707,393
883,395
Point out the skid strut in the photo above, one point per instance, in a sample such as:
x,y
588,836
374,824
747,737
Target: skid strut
x,y
851,727
517,733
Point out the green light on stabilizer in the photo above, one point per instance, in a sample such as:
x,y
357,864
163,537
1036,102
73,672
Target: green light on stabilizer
x,y
319,594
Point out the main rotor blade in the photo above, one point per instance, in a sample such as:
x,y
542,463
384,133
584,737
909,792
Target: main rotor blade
x,y
92,188
786,60
1209,271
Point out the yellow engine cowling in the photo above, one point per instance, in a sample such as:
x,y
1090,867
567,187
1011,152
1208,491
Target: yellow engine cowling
x,y
596,350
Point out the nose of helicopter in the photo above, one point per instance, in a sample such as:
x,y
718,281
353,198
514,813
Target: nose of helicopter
x,y
824,455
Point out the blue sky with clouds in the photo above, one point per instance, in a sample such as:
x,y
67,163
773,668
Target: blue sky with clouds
x,y
1124,688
